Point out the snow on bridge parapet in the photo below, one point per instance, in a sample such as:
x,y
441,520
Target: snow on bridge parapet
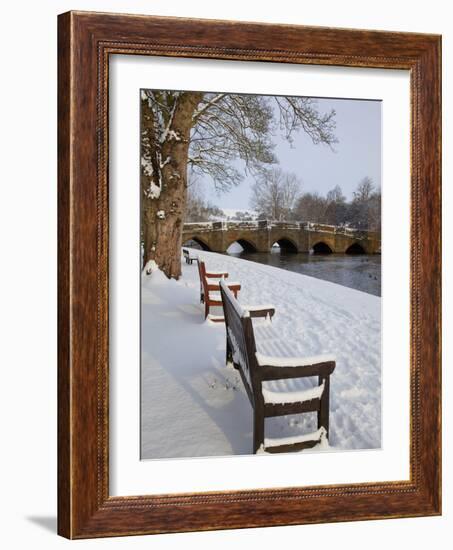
x,y
292,236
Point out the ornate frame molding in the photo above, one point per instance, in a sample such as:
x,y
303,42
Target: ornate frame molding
x,y
86,40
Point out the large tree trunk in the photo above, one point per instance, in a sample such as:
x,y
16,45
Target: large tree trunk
x,y
162,228
163,211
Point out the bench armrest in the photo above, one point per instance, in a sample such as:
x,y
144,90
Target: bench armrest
x,y
321,367
234,286
216,285
260,311
214,274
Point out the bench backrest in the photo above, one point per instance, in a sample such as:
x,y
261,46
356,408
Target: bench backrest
x,y
241,340
203,279
201,269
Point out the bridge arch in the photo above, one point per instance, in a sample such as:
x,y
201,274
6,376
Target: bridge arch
x,y
286,245
355,248
200,242
321,247
247,245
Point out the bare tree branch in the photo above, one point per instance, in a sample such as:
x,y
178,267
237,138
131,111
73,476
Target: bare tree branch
x,y
275,193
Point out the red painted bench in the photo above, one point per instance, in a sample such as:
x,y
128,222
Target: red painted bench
x,y
210,290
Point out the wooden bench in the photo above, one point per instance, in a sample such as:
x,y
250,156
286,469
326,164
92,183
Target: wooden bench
x,y
210,290
188,257
257,370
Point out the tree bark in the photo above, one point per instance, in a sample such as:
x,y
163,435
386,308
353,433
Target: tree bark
x,y
163,215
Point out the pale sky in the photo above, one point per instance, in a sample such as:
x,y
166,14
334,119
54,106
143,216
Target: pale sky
x,y
357,155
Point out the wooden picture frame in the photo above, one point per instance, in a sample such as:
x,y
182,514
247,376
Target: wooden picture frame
x,y
85,41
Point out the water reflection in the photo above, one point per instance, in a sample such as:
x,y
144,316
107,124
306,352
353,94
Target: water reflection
x,y
362,272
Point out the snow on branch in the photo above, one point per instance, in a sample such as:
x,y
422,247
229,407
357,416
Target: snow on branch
x,y
206,106
166,131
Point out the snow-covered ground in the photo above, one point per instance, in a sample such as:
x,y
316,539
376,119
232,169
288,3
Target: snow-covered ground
x,y
193,405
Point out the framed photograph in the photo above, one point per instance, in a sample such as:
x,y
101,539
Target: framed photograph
x,y
249,275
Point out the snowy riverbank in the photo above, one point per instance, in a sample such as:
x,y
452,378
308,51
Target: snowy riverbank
x,y
192,405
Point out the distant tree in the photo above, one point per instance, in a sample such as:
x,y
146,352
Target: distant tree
x,y
195,200
374,211
275,193
198,209
364,190
206,133
364,211
311,207
336,211
335,195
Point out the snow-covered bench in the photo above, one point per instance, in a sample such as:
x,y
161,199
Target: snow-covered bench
x,y
266,377
210,290
188,256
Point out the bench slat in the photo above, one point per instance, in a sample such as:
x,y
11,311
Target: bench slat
x,y
316,437
279,409
294,447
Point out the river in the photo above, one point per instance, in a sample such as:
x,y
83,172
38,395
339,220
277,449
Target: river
x,y
362,272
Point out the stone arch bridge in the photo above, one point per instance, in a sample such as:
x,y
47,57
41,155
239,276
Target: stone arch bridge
x,y
260,236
